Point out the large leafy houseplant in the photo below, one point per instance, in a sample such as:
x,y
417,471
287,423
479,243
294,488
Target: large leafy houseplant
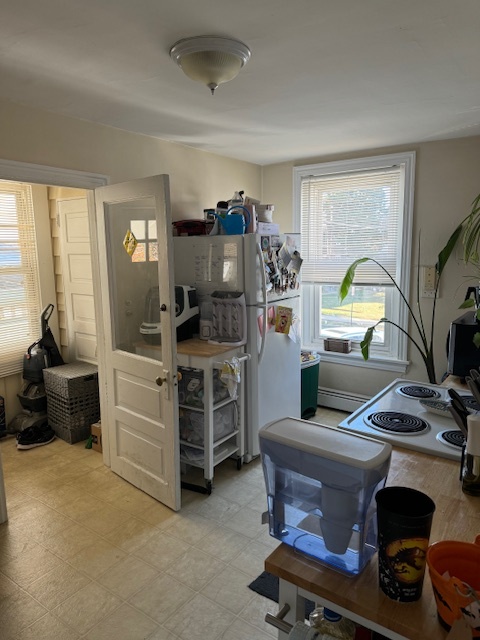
x,y
470,228
422,337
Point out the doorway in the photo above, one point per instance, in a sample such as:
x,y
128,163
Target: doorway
x,y
42,175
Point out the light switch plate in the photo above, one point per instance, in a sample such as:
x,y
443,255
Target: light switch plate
x,y
428,281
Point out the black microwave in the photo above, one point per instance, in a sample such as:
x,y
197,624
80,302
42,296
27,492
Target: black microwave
x,y
463,355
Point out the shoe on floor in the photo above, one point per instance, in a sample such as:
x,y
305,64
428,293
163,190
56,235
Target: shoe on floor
x,y
35,437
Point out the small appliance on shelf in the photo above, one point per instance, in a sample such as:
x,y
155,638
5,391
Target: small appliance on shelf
x,y
186,314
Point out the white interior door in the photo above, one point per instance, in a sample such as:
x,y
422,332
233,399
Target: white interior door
x,y
138,394
78,279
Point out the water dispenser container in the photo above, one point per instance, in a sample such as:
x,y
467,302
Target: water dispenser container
x,y
321,483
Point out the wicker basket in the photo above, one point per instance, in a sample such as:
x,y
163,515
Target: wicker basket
x,y
72,400
339,345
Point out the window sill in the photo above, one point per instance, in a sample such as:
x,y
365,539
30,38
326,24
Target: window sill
x,y
355,359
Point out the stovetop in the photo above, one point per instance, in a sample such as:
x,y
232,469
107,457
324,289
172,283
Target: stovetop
x,y
397,416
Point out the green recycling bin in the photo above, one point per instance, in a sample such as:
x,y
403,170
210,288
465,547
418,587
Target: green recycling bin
x,y
310,363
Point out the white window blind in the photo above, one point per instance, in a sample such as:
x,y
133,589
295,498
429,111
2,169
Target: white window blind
x,y
19,278
346,216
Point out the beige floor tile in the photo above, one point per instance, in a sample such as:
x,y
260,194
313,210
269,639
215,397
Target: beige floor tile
x,y
31,564
13,542
163,634
132,534
129,498
190,527
57,585
79,507
247,522
241,630
95,560
162,597
38,518
217,508
17,611
47,628
195,568
38,484
15,497
104,519
223,543
70,541
63,494
69,471
128,576
7,586
256,610
230,589
236,491
199,619
259,501
159,515
252,559
86,608
162,550
126,623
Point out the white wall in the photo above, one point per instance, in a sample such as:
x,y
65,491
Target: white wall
x,y
447,180
197,179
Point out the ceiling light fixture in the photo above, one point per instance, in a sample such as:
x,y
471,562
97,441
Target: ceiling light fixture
x,y
209,59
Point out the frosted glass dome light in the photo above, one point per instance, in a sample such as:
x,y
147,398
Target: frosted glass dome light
x,y
209,59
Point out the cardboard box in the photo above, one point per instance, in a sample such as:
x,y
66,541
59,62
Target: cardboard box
x,y
268,228
96,431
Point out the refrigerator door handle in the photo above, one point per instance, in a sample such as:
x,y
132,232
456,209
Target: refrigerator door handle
x,y
263,305
262,274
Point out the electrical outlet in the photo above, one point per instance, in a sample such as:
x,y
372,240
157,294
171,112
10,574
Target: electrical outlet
x,y
428,282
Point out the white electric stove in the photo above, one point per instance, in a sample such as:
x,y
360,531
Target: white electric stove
x,y
396,415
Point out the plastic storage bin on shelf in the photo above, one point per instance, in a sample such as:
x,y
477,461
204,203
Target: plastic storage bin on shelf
x,y
72,400
192,424
191,388
310,364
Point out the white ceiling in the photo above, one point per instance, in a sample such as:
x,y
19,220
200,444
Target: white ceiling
x,y
325,76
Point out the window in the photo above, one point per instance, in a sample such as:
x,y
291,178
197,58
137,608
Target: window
x,y
19,276
145,232
347,210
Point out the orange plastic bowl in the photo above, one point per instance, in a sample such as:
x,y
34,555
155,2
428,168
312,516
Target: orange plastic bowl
x,y
461,562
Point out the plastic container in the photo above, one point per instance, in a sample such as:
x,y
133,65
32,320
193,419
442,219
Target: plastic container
x,y
310,366
321,484
331,625
454,568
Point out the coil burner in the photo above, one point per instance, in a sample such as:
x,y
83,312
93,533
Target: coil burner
x,y
397,422
452,438
417,391
470,403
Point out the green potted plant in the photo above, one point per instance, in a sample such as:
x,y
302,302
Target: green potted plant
x,y
422,337
470,228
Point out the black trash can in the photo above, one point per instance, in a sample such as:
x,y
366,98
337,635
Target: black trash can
x,y
310,368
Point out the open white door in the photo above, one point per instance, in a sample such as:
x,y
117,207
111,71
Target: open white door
x,y
138,394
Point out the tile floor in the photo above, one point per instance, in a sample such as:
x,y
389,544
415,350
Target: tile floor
x,y
86,555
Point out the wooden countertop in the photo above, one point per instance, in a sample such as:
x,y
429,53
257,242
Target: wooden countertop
x,y
202,349
457,517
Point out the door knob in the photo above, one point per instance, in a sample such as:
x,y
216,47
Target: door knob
x,y
160,380
179,375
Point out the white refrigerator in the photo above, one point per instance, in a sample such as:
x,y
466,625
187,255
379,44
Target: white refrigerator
x,y
272,386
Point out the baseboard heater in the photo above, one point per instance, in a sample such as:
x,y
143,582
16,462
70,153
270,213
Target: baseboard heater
x,y
340,400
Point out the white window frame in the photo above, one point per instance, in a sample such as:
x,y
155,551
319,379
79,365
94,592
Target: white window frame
x,y
393,355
